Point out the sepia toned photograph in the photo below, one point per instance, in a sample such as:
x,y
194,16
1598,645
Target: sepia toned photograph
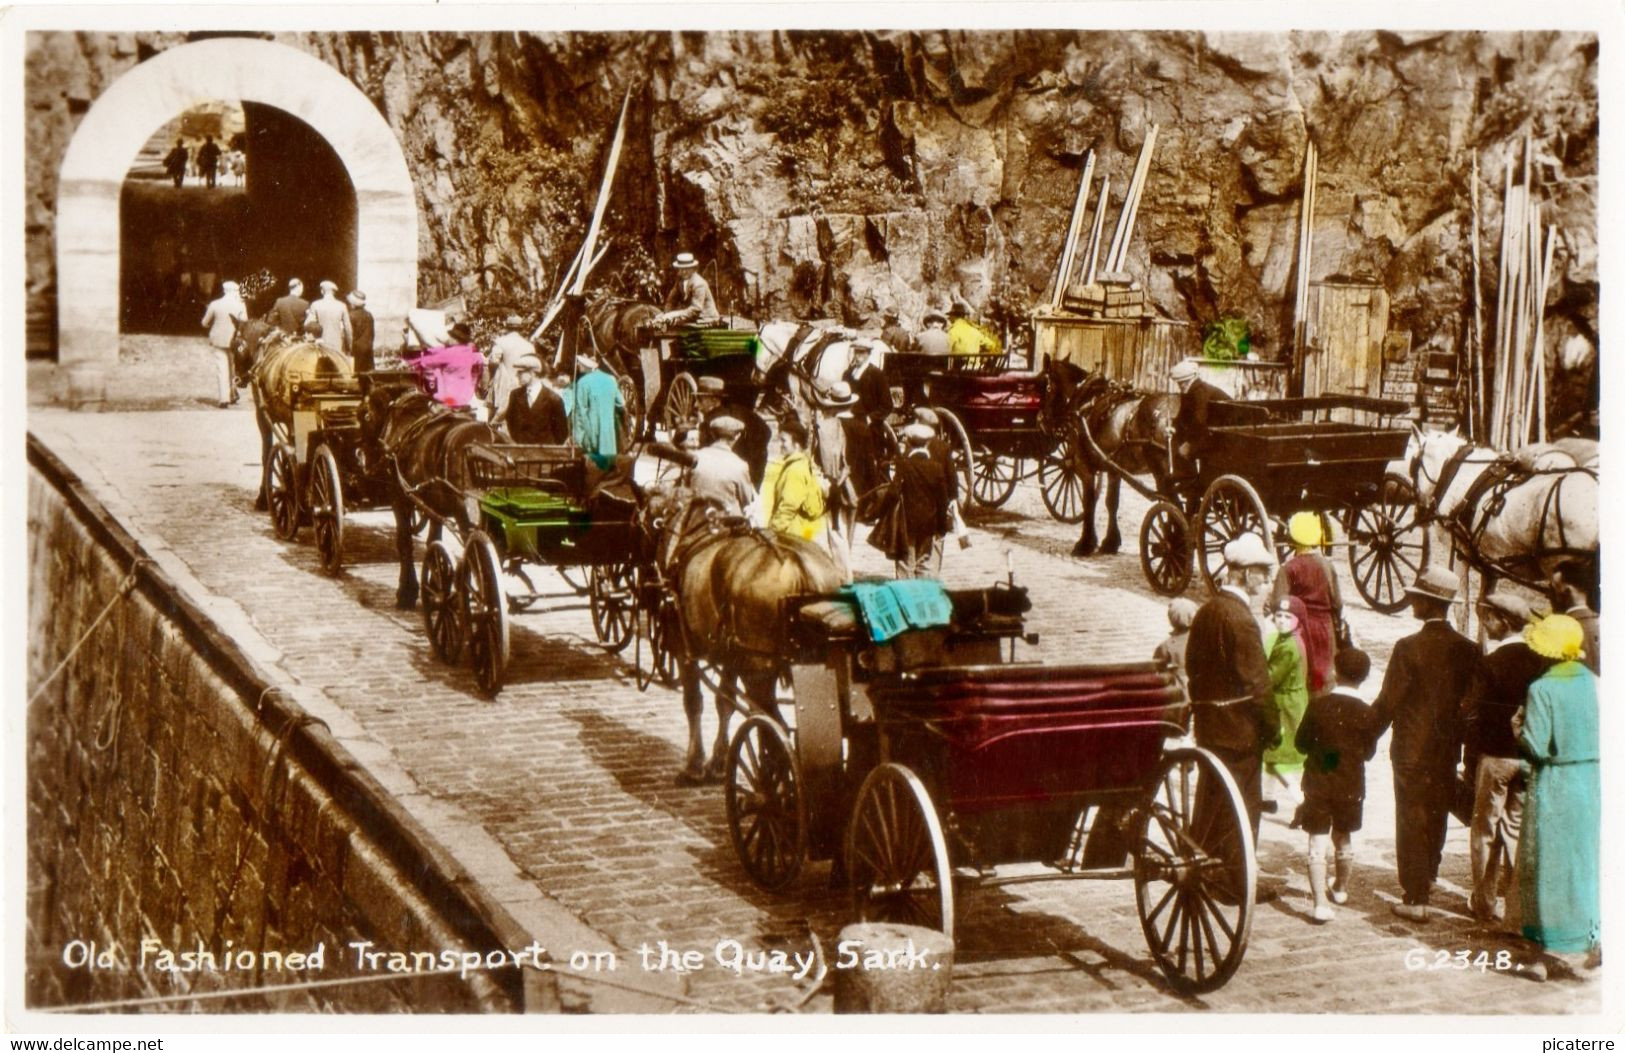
x,y
635,518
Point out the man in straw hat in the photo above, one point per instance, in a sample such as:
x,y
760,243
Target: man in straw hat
x,y
1559,856
1429,675
506,350
690,301
1493,766
534,412
1235,715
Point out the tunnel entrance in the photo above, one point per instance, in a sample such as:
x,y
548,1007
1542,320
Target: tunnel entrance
x,y
279,205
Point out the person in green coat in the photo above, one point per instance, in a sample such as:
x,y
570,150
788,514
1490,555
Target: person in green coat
x,y
1289,680
597,412
1558,852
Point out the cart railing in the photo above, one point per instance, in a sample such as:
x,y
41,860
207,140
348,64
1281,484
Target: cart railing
x,y
559,468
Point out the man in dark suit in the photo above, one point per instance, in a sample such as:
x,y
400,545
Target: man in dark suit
x,y
1235,714
1429,675
361,334
288,313
869,383
1191,422
535,412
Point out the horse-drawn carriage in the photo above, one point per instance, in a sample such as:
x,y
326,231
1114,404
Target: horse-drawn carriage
x,y
1000,423
1265,460
927,752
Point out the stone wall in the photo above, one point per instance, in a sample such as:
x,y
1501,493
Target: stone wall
x,y
176,801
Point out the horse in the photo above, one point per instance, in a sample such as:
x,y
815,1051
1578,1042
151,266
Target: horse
x,y
796,359
1131,430
730,582
616,323
272,361
426,449
1508,514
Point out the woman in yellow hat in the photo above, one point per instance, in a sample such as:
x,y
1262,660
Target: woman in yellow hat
x,y
1558,852
1308,575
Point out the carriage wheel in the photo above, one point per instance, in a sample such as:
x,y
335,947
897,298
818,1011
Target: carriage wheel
x,y
1195,873
1061,485
326,501
634,407
1165,548
1387,545
681,395
442,607
1229,509
614,610
995,476
896,856
485,613
960,455
281,494
767,810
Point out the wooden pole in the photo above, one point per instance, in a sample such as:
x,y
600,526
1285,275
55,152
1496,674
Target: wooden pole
x,y
1098,229
1475,368
1540,334
1142,172
1119,232
588,247
1070,246
1500,376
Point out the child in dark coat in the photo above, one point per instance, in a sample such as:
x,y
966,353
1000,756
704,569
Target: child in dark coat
x,y
1335,738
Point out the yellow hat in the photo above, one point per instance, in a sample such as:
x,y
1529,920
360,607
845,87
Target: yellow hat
x,y
1557,636
1305,530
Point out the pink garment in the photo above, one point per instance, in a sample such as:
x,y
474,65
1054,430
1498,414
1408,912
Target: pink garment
x,y
449,375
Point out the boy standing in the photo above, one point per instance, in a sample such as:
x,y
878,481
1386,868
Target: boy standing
x,y
1336,739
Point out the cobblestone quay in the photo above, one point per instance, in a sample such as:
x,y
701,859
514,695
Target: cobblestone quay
x,y
559,793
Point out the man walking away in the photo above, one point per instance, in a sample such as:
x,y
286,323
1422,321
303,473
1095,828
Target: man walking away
x,y
361,334
332,319
221,318
1429,675
175,163
288,313
208,159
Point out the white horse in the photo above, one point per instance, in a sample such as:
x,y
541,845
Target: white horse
x,y
1539,507
818,360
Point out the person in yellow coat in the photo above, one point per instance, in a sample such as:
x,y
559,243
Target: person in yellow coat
x,y
794,496
967,337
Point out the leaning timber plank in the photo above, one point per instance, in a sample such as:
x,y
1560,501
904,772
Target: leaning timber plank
x,y
603,191
1142,172
1070,246
1097,230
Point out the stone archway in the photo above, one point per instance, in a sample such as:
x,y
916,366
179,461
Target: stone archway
x,y
125,116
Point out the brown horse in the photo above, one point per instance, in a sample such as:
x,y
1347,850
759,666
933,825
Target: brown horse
x,y
273,362
425,448
731,582
1132,431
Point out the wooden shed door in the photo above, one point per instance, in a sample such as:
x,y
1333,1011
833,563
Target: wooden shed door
x,y
1347,325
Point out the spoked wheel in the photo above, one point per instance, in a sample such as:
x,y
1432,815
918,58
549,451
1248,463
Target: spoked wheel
x,y
442,605
633,398
1061,485
1229,509
281,493
896,857
485,612
1195,874
1165,548
994,477
614,609
1387,545
664,638
326,502
681,395
960,456
767,809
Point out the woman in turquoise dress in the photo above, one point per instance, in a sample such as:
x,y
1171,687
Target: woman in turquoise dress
x,y
1290,689
1558,853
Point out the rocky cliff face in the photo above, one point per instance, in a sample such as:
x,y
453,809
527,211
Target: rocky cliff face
x,y
840,173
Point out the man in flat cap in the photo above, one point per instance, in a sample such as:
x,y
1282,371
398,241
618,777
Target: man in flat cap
x,y
361,332
332,319
1235,716
932,339
288,313
1429,675
534,412
923,500
720,475
713,401
690,301
1494,768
